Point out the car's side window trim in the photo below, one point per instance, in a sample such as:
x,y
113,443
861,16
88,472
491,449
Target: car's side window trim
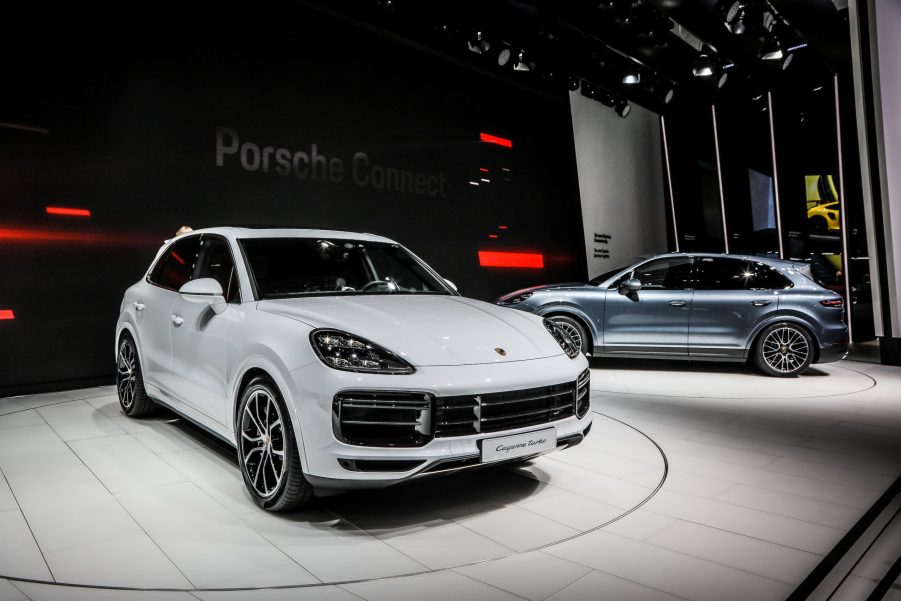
x,y
163,257
231,254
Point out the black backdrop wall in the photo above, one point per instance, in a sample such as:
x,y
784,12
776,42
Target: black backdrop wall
x,y
145,128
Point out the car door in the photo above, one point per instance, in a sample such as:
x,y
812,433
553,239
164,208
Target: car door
x,y
732,297
199,335
654,319
154,309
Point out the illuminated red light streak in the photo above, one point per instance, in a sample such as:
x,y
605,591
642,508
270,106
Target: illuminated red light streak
x,y
495,140
68,211
502,227
21,236
483,169
7,315
177,258
488,258
492,235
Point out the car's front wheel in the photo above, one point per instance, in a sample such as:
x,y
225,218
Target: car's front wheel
x,y
575,330
130,380
783,350
267,449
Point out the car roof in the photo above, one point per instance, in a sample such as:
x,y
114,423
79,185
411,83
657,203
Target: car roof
x,y
765,260
289,232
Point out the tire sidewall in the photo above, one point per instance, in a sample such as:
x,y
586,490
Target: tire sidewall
x,y
765,367
124,340
291,454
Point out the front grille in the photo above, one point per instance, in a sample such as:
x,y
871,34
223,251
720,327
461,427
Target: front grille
x,y
382,419
583,394
497,411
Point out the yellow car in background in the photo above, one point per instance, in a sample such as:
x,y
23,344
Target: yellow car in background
x,y
825,217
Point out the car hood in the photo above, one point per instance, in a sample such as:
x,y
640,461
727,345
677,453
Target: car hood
x,y
427,330
562,286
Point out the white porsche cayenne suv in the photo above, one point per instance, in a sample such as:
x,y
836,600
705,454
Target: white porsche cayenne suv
x,y
334,360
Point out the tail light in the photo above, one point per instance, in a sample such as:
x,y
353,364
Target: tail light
x,y
835,303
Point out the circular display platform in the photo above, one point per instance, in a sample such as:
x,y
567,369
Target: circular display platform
x,y
724,381
95,498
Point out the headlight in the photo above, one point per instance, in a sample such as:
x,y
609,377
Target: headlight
x,y
515,300
340,350
566,343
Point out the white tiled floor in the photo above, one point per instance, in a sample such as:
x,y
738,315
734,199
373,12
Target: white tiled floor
x,y
765,475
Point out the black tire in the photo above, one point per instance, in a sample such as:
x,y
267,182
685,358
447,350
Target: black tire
x,y
574,327
130,380
783,350
281,486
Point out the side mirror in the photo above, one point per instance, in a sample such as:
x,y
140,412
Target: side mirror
x,y
205,290
629,286
451,284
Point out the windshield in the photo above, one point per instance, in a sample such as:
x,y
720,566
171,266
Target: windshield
x,y
286,267
609,274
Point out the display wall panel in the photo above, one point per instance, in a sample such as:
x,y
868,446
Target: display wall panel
x,y
264,114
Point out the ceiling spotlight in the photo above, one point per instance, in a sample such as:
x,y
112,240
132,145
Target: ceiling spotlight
x,y
478,44
721,80
735,14
573,83
668,93
503,57
623,108
521,64
631,76
772,50
704,64
787,60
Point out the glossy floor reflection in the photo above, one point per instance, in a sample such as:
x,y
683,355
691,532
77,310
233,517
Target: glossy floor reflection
x,y
765,476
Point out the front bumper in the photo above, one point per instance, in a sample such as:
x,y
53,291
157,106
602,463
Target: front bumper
x,y
329,464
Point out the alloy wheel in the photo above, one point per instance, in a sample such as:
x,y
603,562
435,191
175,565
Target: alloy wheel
x,y
263,442
785,350
126,374
572,331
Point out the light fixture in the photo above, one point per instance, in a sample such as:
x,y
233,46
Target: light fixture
x,y
631,76
704,64
787,60
735,14
503,57
623,108
668,94
478,44
772,50
573,83
721,80
607,99
520,63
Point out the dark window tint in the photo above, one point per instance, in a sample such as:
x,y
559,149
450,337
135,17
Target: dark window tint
x,y
176,266
737,274
216,262
671,273
721,274
764,277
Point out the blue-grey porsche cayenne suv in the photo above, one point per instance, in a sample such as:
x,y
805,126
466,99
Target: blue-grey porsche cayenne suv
x,y
700,307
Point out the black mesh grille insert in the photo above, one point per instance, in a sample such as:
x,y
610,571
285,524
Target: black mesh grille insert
x,y
497,411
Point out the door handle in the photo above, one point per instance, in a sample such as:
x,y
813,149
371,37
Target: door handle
x,y
177,319
677,303
139,306
761,303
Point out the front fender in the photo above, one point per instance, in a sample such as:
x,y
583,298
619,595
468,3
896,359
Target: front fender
x,y
568,308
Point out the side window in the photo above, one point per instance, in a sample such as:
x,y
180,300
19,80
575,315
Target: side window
x,y
671,273
177,264
764,277
216,262
722,274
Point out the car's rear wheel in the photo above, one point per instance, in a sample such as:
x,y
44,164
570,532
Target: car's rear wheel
x,y
130,381
575,330
267,449
783,350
